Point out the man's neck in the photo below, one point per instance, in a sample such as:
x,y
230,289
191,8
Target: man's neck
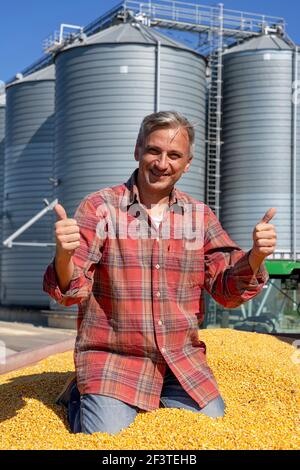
x,y
150,200
154,201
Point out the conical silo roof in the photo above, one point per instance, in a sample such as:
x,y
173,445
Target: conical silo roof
x,y
128,33
47,73
263,42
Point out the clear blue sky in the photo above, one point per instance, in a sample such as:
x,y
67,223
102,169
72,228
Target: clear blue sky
x,y
24,24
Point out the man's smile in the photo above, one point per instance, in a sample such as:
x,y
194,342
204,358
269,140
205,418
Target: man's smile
x,y
157,174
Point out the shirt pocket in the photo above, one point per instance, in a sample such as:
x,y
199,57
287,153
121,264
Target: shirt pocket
x,y
185,266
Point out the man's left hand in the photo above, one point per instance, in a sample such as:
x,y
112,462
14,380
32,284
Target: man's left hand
x,y
264,236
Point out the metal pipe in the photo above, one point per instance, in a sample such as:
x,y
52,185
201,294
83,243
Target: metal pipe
x,y
157,65
31,244
243,310
32,356
295,306
157,78
219,106
9,240
264,300
250,305
65,25
124,11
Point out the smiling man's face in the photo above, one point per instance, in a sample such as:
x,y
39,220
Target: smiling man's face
x,y
163,158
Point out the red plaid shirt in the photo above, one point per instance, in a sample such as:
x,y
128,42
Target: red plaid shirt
x,y
140,297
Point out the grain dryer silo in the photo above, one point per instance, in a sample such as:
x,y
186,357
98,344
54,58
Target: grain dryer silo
x,y
105,85
29,146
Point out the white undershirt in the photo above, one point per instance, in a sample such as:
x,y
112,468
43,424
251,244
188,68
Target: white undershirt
x,y
157,214
157,219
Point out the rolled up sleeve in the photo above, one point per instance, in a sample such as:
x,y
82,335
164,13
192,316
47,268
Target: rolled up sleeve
x,y
228,275
85,259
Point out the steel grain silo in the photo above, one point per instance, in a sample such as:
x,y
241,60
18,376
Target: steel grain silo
x,y
105,85
2,135
296,149
256,160
29,145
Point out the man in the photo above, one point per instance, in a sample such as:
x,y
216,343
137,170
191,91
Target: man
x,y
136,259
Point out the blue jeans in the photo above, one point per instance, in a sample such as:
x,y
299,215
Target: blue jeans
x,y
97,413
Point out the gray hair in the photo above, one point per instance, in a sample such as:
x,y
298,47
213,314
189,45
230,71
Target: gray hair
x,y
165,119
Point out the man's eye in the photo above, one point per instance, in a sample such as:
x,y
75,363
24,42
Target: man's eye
x,y
174,156
153,151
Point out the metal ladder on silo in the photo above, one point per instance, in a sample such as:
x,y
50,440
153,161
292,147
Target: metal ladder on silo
x,y
214,115
214,112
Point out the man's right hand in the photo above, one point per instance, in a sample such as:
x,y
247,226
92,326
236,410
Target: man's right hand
x,y
67,234
67,240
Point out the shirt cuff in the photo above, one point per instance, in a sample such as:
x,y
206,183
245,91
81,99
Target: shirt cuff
x,y
244,271
51,284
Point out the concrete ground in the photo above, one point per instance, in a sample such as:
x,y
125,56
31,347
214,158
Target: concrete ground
x,y
17,337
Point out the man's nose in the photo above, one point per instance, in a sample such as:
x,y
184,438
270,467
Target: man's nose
x,y
162,161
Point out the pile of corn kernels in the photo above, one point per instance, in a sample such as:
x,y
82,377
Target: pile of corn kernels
x,y
258,378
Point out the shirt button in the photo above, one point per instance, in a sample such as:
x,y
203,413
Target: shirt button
x,y
157,266
163,350
157,294
160,322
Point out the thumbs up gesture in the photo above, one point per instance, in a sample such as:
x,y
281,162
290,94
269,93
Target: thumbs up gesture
x,y
66,232
264,236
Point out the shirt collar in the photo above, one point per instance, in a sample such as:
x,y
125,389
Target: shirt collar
x,y
131,194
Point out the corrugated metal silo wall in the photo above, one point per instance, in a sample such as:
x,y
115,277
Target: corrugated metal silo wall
x,y
2,135
102,94
28,165
296,97
256,155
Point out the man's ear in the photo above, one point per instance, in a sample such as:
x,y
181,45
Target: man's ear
x,y
187,166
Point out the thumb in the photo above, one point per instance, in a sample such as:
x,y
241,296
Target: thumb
x,y
268,215
60,212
